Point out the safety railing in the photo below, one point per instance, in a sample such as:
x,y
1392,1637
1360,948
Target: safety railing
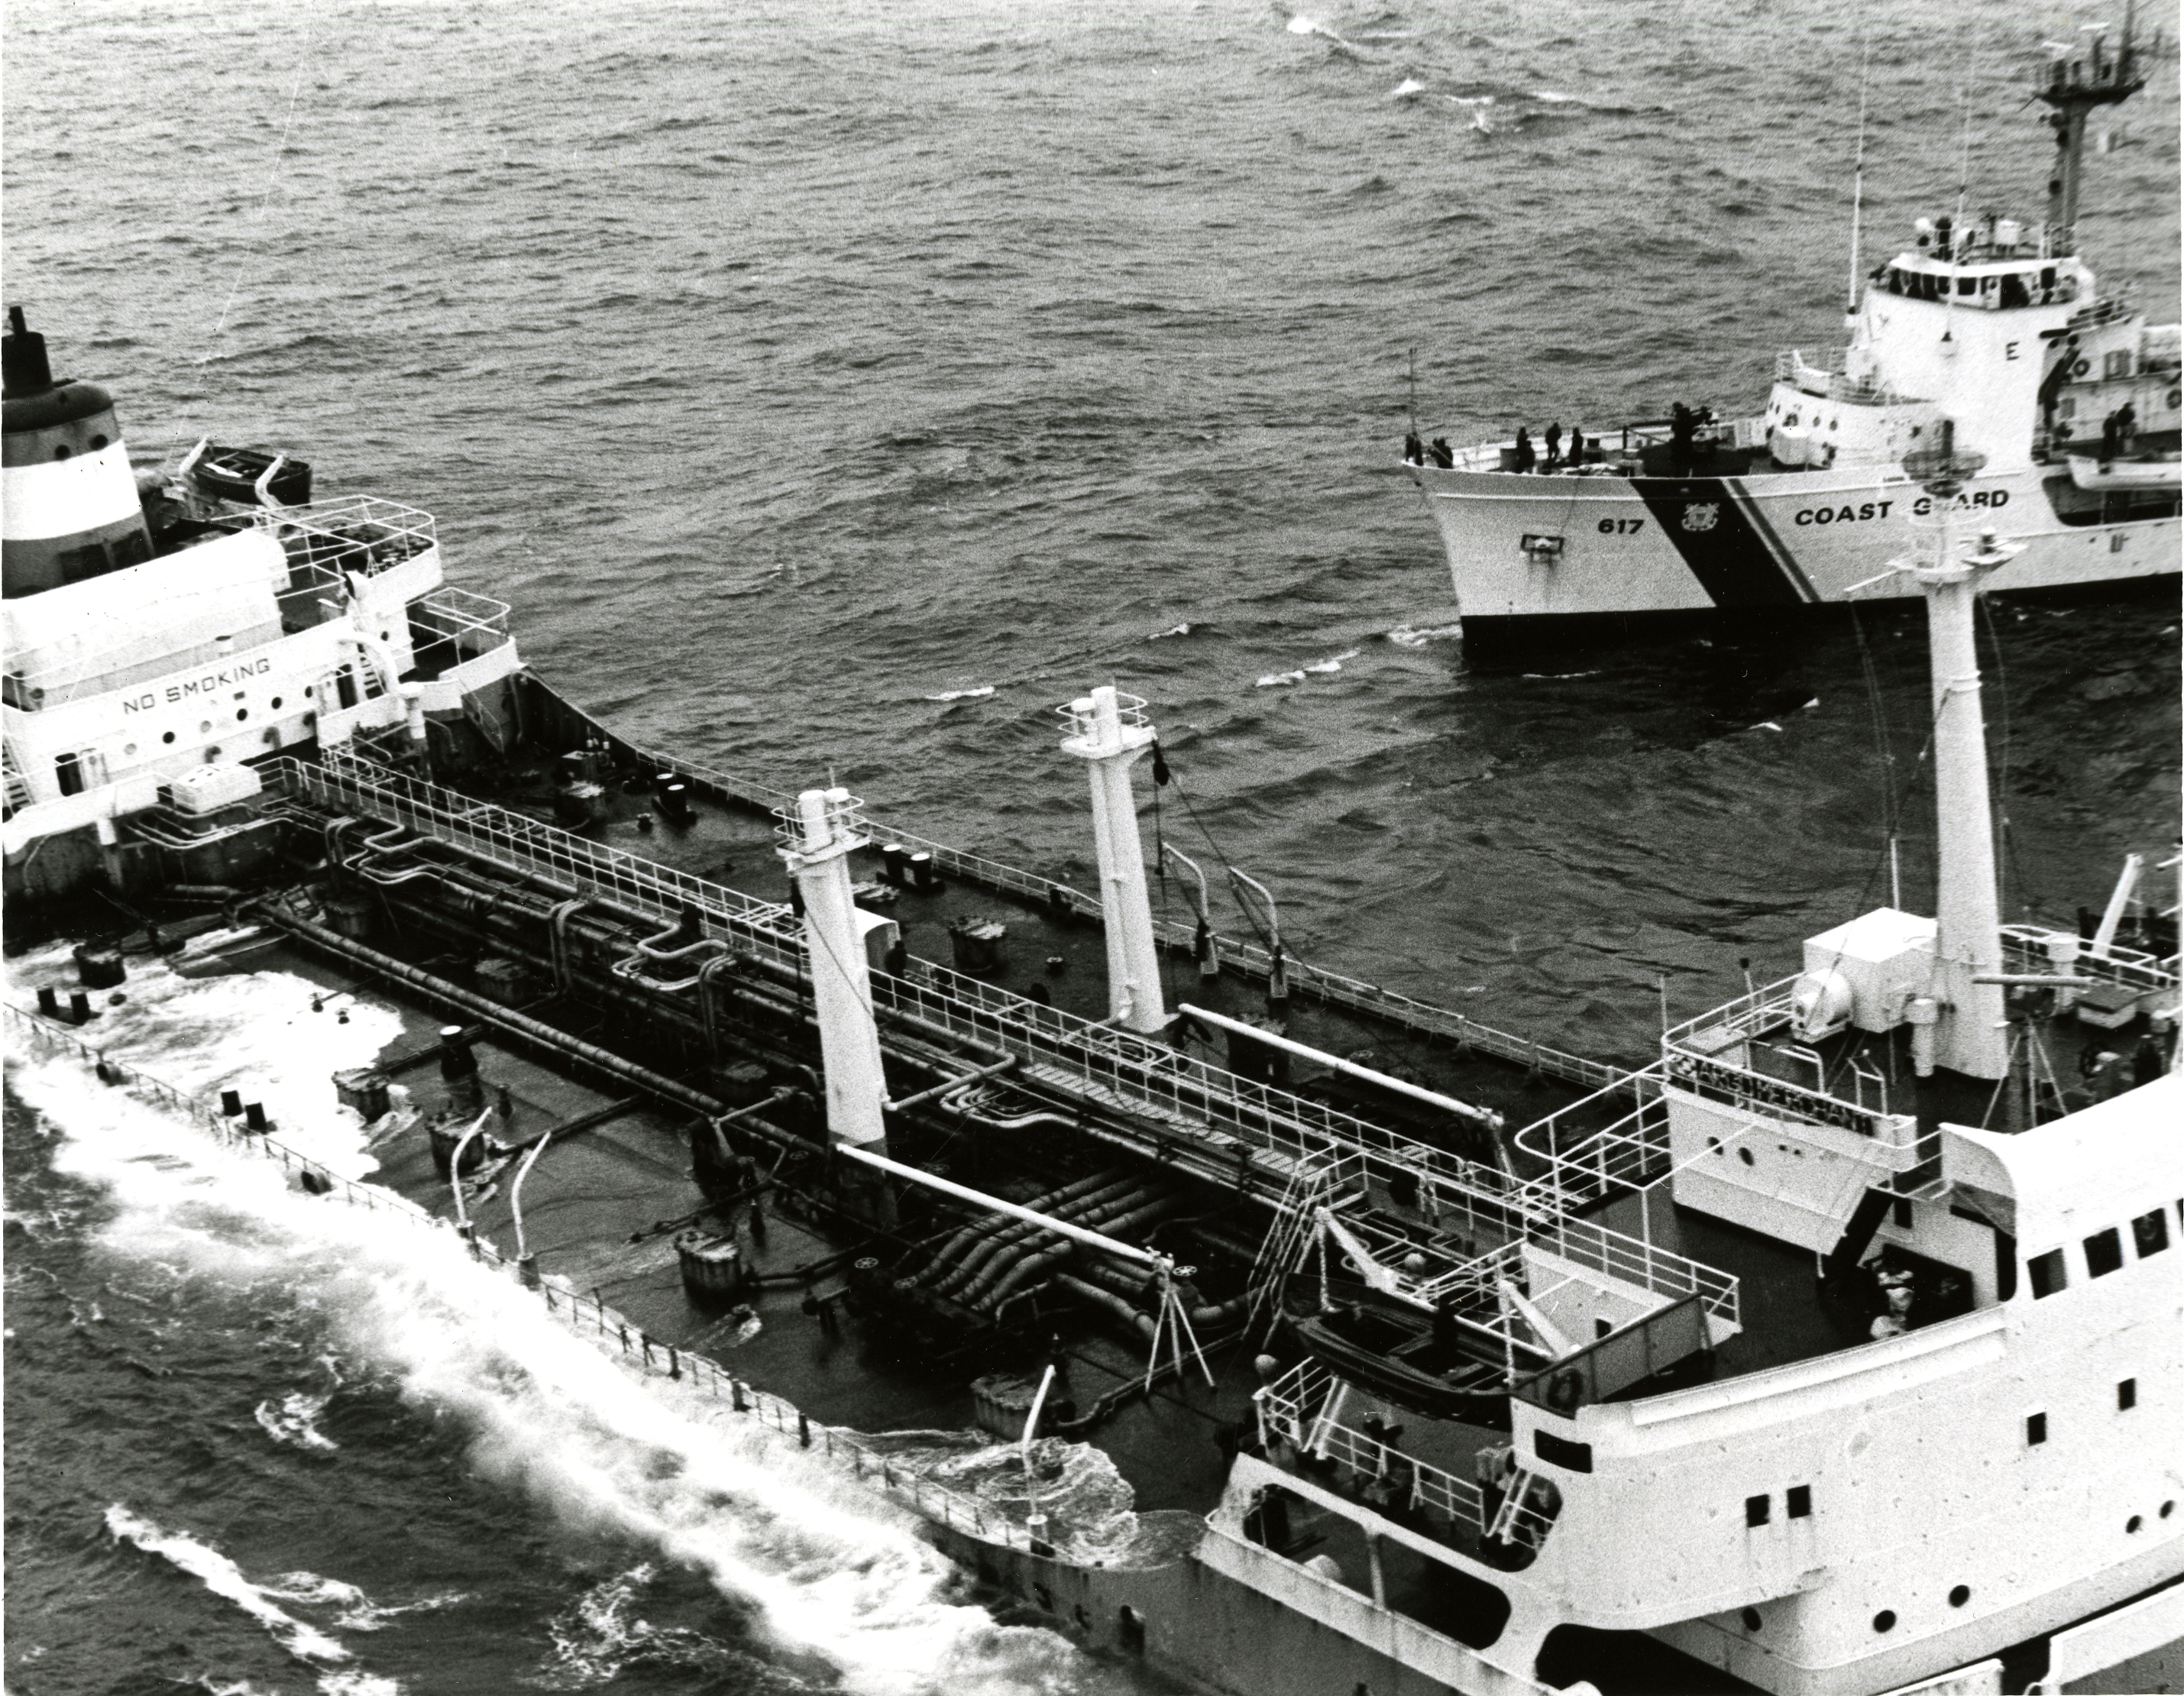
x,y
1691,1061
473,622
1630,1152
1305,979
1635,1261
351,782
1832,380
1428,1271
589,1316
1302,1411
1188,1094
357,532
2025,949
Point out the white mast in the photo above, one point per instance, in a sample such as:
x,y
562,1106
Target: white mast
x,y
1108,733
1971,1034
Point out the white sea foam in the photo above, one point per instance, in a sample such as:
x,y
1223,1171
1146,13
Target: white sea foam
x,y
294,1422
1277,679
1329,668
355,1683
271,1047
359,1612
223,1577
1403,636
1405,89
1182,630
827,1569
1557,676
963,695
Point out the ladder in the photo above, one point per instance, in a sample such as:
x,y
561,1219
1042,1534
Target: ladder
x,y
1504,1527
1310,1188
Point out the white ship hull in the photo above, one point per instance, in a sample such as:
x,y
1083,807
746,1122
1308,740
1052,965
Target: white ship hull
x,y
1632,547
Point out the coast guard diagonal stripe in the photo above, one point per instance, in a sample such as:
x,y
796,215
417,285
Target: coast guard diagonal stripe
x,y
1729,546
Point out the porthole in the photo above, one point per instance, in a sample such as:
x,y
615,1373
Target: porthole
x,y
1960,1595
307,691
96,442
204,727
63,451
1751,1620
128,750
1745,1155
212,754
273,738
1885,1621
2167,1508
242,713
276,703
2133,1524
169,737
1714,1144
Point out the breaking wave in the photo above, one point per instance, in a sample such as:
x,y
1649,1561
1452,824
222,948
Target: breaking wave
x,y
824,1569
223,1577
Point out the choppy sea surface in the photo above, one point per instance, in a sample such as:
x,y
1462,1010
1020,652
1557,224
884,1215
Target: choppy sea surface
x,y
838,389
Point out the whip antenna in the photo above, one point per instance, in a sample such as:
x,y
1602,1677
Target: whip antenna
x,y
1857,173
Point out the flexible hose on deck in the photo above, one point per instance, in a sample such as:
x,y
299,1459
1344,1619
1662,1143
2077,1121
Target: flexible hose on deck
x,y
995,1256
988,1225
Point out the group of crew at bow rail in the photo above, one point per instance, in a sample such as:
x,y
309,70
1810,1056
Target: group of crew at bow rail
x,y
1576,451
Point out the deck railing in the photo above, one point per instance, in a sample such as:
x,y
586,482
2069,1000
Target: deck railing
x,y
356,533
1690,1061
1304,977
1302,1410
1630,1152
2025,949
589,1317
1186,1094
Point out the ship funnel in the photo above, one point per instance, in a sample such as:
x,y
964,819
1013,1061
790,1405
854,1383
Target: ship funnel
x,y
23,354
68,506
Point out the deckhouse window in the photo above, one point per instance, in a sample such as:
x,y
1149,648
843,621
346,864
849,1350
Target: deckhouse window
x,y
2047,1273
2149,1233
2104,1252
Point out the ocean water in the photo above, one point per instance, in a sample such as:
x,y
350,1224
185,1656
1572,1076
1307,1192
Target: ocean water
x,y
837,390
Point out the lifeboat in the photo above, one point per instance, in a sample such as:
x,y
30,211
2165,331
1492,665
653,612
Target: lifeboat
x,y
2125,474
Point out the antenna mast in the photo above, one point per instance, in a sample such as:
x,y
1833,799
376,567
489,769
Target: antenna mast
x,y
1857,178
2074,86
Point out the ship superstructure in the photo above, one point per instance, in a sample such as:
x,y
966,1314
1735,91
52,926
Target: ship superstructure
x,y
1831,1352
163,633
1992,324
